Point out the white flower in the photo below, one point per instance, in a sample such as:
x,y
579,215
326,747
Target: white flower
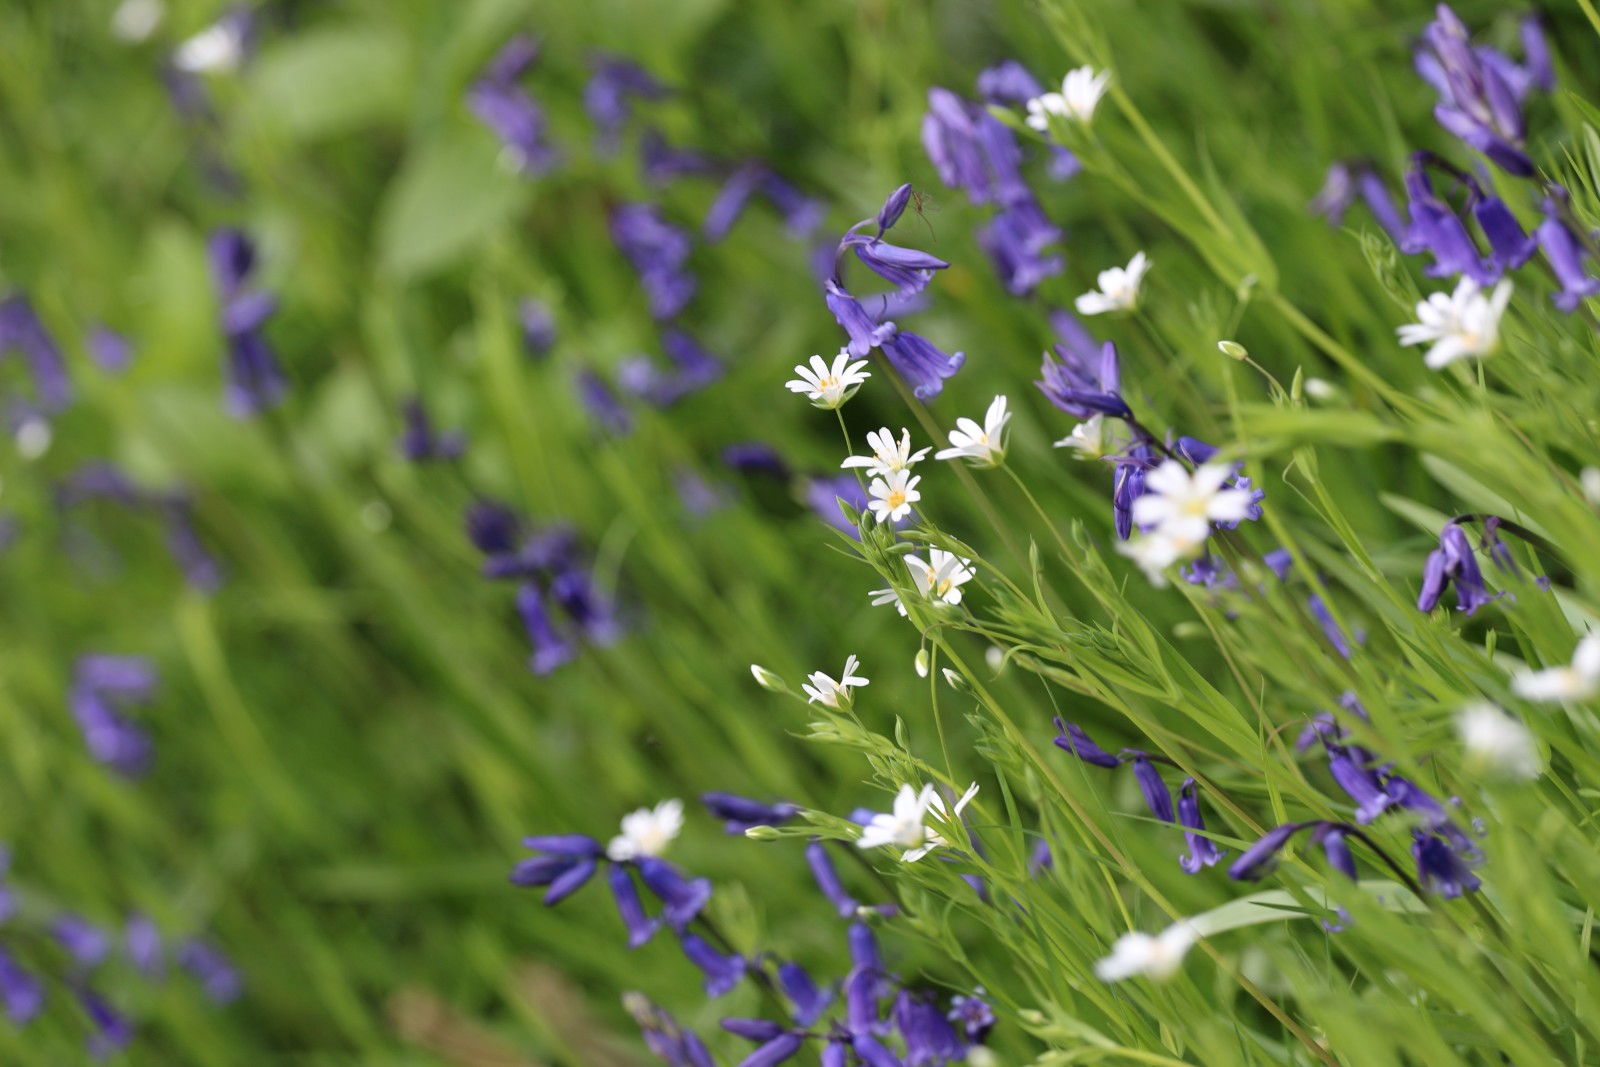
x,y
647,832
893,496
881,597
887,457
1580,681
824,690
985,445
907,826
828,387
33,438
1463,325
218,47
1080,94
136,20
1498,742
1119,288
1183,506
1589,479
941,578
1093,439
1157,957
1157,550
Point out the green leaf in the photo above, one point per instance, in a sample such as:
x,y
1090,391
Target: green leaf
x,y
330,81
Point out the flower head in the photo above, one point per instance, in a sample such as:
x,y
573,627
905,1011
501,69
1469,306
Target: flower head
x,y
821,689
1498,742
1092,439
906,827
1183,506
1157,957
1579,681
1080,95
828,387
984,445
1119,288
1462,325
893,496
647,832
888,456
1154,552
942,576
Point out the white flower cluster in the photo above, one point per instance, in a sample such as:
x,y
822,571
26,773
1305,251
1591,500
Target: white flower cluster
x,y
1176,513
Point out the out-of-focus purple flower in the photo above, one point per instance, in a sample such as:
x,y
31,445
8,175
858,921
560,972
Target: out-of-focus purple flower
x,y
1256,861
641,928
614,82
700,498
1128,485
682,898
200,568
1279,561
110,1030
564,864
780,1048
1080,391
110,351
1435,228
492,527
929,1038
1072,739
1566,252
827,879
806,1000
551,648
1510,246
1440,867
1156,795
101,687
755,457
219,979
22,330
1453,562
420,444
1359,782
22,993
1349,180
1330,626
254,380
741,813
663,1036
1203,852
658,252
823,494
907,269
538,326
592,611
974,1015
85,942
736,191
501,104
950,139
1041,859
602,404
142,941
1331,836
1480,90
722,971
662,162
1014,241
801,214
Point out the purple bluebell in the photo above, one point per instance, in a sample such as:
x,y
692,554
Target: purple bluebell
x,y
218,977
662,162
700,497
1197,452
755,457
1478,104
420,443
1209,570
1015,246
929,1038
1010,84
21,992
682,899
1349,180
1330,626
1072,739
111,352
110,1030
586,605
741,813
101,687
836,1052
1156,795
641,928
864,947
827,879
921,365
823,494
551,647
1080,391
502,105
254,380
862,987
1565,251
1203,852
531,551
1041,858
664,1037
1331,836
1510,246
1432,815
870,1051
1128,484
730,201
200,568
974,1015
1452,562
141,939
1279,561
907,269
614,83
1258,860
807,1001
86,943
752,1029
658,252
602,404
777,1044
1437,229
1359,782
1441,868
862,329
722,971
950,139
538,326
492,527
566,863
693,366
22,330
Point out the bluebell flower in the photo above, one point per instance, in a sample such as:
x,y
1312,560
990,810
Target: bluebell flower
x,y
614,82
872,1052
755,457
730,201
254,380
1203,852
22,993
1072,739
779,1046
1510,246
658,252
861,327
1453,562
1259,859
110,1031
807,1001
1209,570
722,971
950,139
141,939
567,863
111,352
1330,626
1359,782
641,928
219,979
974,1015
586,606
1349,180
741,813
1435,228
823,494
862,987
801,213
419,443
827,879
921,365
929,1038
662,162
85,942
1440,867
22,330
1128,485
492,527
1041,859
1566,252
682,899
515,119
200,568
1080,391
1477,102
602,404
1014,245
664,1037
1156,795
538,326
101,686
1331,836
907,269
551,647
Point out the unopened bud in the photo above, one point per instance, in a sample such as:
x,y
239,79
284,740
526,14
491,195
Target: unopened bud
x,y
1233,350
767,680
955,681
921,663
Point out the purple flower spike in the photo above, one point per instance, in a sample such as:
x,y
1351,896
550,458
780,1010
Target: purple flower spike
x,y
741,813
1258,860
142,940
1203,852
682,898
21,992
807,1000
640,927
823,494
538,326
1080,392
1440,868
1072,739
1453,561
919,363
754,457
1361,784
894,207
722,972
1509,245
513,116
550,647
111,1030
753,1029
219,979
569,862
664,1037
613,84
420,444
1331,837
1566,253
864,948
101,686
871,1051
827,878
1436,228
1156,796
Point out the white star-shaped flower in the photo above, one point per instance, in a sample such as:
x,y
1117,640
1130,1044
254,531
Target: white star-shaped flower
x,y
1183,506
822,689
942,576
1462,325
907,826
1092,439
828,387
1580,681
985,445
1498,742
893,496
1080,95
1157,957
1157,550
888,456
647,832
1119,288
